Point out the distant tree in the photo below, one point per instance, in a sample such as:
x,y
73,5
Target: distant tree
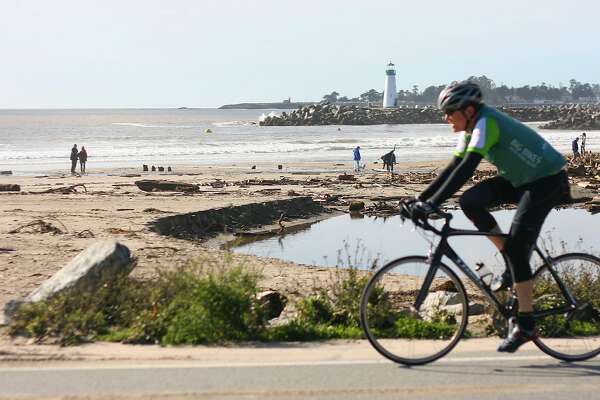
x,y
431,93
487,87
596,90
372,96
525,93
501,93
343,98
415,91
404,95
540,92
582,90
332,97
495,94
573,83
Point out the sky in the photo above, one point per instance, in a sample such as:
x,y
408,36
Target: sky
x,y
205,53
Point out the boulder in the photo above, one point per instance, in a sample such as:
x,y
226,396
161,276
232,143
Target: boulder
x,y
441,298
99,263
449,303
272,303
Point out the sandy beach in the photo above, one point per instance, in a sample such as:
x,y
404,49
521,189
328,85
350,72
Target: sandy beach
x,y
110,205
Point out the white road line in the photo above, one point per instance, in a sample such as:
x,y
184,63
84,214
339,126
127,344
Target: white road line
x,y
191,365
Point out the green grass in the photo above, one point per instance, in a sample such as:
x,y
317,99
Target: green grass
x,y
205,303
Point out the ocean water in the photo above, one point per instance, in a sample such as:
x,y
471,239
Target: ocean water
x,y
37,141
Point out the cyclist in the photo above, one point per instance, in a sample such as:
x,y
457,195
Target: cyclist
x,y
531,174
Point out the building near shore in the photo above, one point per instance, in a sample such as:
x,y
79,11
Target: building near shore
x,y
389,90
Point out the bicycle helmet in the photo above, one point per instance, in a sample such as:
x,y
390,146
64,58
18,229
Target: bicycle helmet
x,y
458,95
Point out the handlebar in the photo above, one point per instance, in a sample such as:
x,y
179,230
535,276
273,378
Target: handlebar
x,y
406,213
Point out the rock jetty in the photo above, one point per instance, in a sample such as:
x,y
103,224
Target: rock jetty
x,y
576,116
335,114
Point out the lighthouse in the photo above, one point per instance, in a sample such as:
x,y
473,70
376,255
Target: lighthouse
x,y
389,91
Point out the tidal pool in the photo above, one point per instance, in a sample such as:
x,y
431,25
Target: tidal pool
x,y
363,242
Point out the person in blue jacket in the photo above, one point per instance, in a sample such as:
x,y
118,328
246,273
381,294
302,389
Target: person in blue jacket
x,y
356,157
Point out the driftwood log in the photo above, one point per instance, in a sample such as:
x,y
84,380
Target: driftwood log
x,y
6,187
149,185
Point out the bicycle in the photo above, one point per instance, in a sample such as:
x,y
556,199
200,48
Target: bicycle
x,y
415,309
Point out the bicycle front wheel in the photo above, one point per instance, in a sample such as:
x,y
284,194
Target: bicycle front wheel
x,y
404,331
568,328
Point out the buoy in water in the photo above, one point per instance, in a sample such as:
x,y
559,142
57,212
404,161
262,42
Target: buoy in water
x,y
208,130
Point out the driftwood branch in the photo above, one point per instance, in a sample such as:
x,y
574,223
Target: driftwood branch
x,y
64,189
42,227
85,234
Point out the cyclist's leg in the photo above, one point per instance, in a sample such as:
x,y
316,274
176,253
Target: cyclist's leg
x,y
489,193
536,202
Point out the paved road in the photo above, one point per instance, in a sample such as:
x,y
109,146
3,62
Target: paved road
x,y
466,375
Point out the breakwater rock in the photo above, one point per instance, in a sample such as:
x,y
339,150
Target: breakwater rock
x,y
334,114
576,116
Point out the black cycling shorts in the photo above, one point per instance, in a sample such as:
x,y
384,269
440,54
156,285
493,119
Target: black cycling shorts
x,y
534,201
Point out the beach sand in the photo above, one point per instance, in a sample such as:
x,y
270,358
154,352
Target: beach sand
x,y
113,207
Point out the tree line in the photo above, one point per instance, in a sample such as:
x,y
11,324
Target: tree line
x,y
493,94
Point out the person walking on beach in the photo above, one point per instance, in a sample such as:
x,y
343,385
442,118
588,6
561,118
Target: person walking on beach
x,y
575,147
356,157
583,144
82,159
531,174
74,158
389,159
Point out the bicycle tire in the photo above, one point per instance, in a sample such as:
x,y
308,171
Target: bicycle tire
x,y
371,331
561,332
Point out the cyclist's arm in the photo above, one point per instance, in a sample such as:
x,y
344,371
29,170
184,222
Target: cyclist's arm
x,y
457,179
441,178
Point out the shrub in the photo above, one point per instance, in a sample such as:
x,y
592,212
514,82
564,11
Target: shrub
x,y
191,304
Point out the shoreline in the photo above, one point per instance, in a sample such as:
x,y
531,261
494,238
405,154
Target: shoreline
x,y
191,169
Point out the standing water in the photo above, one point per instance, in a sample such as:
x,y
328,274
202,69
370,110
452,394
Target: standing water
x,y
368,241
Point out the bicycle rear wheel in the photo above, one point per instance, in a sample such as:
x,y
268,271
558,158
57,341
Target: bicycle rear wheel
x,y
402,332
571,329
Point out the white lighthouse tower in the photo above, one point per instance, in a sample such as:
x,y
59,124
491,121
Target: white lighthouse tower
x,y
389,91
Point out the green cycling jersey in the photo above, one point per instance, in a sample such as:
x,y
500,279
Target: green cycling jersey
x,y
519,153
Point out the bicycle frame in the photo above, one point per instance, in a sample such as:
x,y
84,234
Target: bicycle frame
x,y
444,249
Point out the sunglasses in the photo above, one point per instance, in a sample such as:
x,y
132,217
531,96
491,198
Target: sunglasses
x,y
449,111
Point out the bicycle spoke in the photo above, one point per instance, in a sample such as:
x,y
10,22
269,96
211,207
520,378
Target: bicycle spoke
x,y
569,330
410,316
